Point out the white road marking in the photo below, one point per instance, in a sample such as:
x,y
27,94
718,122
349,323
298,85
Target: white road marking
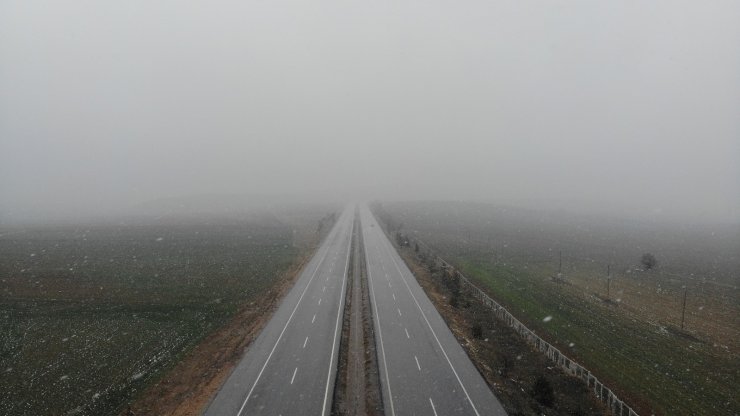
x,y
292,379
407,333
394,296
399,312
241,409
336,324
319,301
324,289
389,284
417,363
314,318
433,409
431,329
305,342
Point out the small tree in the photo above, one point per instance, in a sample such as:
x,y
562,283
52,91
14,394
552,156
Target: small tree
x,y
477,330
505,365
543,391
648,261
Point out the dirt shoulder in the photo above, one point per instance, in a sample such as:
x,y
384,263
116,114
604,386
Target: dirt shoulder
x,y
189,386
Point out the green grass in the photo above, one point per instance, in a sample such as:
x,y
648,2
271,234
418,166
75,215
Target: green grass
x,y
672,374
90,317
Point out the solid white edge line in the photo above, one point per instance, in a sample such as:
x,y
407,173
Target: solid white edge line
x,y
339,314
380,337
251,390
431,329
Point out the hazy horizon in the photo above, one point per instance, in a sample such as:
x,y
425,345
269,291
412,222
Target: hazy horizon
x,y
610,108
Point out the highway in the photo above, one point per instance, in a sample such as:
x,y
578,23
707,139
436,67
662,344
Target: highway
x,y
423,368
290,369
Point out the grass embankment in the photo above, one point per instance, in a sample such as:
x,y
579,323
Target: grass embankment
x,y
524,380
89,317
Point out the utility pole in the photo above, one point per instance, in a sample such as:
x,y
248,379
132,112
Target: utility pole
x,y
683,312
560,262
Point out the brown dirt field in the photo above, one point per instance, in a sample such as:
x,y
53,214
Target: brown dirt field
x,y
189,386
712,312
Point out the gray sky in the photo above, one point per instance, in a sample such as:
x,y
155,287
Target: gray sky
x,y
628,106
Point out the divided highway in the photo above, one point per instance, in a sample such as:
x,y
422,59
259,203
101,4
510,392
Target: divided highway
x,y
423,369
290,369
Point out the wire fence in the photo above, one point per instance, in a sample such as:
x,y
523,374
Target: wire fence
x,y
617,406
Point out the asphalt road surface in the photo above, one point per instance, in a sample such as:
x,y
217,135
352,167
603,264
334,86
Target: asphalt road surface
x,y
423,369
290,369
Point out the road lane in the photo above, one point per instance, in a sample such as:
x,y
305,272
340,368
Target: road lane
x,y
290,369
423,369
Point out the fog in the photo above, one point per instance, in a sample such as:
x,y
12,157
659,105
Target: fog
x,y
619,107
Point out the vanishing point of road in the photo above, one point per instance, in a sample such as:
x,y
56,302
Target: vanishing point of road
x,y
290,369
